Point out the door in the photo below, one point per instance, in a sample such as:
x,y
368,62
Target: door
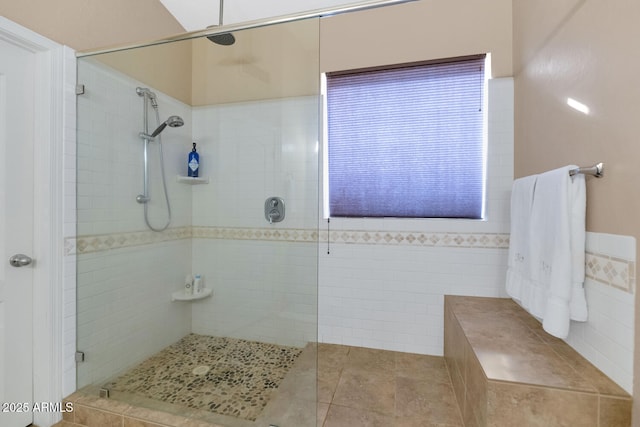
x,y
17,93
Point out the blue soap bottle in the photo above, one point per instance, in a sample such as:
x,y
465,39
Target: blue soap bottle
x,y
194,162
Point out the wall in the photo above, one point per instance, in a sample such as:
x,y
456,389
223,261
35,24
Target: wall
x,y
417,31
264,276
166,67
579,49
82,24
606,339
125,272
269,62
383,282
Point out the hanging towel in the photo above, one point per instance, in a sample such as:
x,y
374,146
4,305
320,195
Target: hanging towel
x,y
557,250
578,193
519,262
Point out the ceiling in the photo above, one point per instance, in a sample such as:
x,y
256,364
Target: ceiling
x,y
196,15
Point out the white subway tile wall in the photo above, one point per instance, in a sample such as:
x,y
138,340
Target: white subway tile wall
x,y
124,308
125,312
606,340
392,297
263,275
257,296
109,155
254,150
389,293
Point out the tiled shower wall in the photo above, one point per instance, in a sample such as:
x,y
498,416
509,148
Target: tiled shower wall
x,y
263,275
606,340
124,312
109,154
383,281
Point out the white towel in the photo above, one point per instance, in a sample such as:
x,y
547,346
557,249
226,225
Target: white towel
x,y
519,263
557,250
578,195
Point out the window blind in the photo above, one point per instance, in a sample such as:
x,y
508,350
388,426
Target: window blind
x,y
407,142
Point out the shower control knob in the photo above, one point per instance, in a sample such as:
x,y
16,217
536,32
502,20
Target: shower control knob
x,y
274,209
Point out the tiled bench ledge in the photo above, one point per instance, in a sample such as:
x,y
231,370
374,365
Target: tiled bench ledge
x,y
506,371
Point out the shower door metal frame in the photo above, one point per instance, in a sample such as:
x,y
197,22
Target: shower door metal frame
x,y
217,30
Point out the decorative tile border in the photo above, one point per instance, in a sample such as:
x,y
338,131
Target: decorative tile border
x,y
413,238
276,234
615,272
103,242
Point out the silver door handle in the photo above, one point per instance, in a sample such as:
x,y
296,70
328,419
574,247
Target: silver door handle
x,y
20,260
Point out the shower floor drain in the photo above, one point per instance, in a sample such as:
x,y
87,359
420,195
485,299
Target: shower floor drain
x,y
200,370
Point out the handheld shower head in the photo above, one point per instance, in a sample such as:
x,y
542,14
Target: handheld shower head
x,y
173,121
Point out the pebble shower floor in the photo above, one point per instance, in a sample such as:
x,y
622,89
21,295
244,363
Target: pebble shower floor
x,y
222,375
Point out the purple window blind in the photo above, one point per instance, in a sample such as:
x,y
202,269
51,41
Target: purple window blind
x,y
407,142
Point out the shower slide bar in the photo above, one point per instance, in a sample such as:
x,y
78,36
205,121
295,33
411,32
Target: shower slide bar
x,y
596,170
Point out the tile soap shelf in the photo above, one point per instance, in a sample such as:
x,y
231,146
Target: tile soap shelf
x,y
192,180
182,296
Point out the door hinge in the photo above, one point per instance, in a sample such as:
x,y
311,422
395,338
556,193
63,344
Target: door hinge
x,y
79,89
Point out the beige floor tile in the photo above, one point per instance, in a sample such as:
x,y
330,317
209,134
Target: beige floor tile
x,y
341,416
434,402
323,409
332,354
371,360
286,409
419,422
328,377
420,366
372,391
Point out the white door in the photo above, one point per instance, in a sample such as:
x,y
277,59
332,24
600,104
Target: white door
x,y
16,233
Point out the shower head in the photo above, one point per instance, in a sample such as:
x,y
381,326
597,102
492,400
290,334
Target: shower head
x,y
173,121
224,39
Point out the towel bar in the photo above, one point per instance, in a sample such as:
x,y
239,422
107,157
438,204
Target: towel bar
x,y
595,170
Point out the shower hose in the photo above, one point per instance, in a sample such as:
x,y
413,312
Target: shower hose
x,y
164,181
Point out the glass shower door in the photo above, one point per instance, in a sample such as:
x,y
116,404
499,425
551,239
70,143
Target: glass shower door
x,y
242,351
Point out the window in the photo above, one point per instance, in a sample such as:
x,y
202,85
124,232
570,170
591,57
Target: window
x,y
407,141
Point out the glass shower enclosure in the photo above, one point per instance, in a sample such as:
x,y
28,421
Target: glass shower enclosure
x,y
198,295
